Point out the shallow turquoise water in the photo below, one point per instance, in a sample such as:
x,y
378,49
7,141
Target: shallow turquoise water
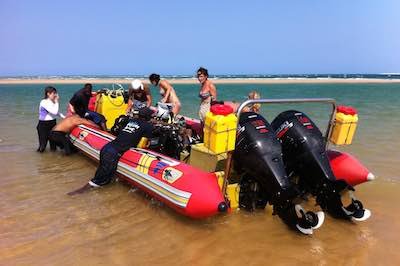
x,y
378,106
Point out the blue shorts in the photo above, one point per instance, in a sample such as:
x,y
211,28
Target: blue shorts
x,y
95,117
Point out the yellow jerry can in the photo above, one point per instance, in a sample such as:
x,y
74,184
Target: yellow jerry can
x,y
220,129
345,125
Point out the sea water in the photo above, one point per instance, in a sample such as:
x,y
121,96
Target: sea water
x,y
40,224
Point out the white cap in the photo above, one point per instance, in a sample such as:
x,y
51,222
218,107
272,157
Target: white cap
x,y
137,84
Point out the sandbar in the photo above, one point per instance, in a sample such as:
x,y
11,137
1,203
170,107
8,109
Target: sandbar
x,y
194,81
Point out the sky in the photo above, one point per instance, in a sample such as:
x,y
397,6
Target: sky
x,y
176,37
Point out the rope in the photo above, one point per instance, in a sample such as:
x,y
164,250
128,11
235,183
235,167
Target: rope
x,y
115,93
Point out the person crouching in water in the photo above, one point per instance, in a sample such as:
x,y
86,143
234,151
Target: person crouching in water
x,y
48,110
59,133
130,136
167,92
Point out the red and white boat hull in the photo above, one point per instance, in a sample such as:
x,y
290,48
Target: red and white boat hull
x,y
348,168
187,190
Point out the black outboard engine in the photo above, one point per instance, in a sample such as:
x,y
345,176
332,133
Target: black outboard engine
x,y
304,154
258,157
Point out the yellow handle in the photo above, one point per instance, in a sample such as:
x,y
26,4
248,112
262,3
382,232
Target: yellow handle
x,y
143,143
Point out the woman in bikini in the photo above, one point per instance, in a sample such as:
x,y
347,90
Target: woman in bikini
x,y
167,92
207,94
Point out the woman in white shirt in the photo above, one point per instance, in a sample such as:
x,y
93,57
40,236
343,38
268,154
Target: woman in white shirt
x,y
48,110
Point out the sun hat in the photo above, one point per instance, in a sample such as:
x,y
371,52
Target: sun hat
x,y
137,85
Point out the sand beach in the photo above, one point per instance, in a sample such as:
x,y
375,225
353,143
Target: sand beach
x,y
194,80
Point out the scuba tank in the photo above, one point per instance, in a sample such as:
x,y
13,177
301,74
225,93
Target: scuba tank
x,y
258,158
305,156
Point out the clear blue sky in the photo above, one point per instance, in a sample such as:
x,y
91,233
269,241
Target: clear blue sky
x,y
176,37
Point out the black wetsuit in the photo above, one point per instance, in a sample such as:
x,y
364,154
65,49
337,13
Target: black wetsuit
x,y
109,155
80,102
62,140
43,129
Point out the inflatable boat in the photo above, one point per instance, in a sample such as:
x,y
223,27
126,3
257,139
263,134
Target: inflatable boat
x,y
275,163
187,190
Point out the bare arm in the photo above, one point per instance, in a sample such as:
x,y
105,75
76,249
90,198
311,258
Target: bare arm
x,y
245,109
234,105
71,108
213,91
130,103
168,88
149,99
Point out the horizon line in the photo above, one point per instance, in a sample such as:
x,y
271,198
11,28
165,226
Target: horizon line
x,y
191,75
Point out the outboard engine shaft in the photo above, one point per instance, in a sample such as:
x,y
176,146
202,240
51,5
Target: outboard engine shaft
x,y
305,156
258,156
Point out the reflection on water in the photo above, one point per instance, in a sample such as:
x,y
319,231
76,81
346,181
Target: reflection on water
x,y
40,224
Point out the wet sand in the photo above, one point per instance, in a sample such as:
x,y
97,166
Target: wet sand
x,y
194,81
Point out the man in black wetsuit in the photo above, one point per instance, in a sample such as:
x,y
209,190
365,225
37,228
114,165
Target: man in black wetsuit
x,y
80,106
80,100
130,135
